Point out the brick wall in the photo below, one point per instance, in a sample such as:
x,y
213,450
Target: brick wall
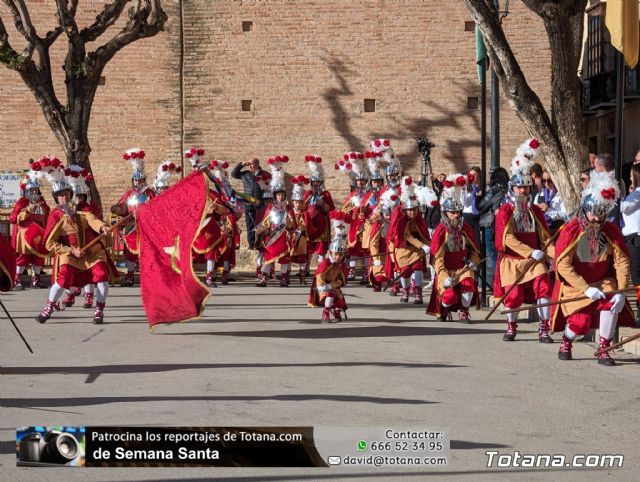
x,y
139,105
307,67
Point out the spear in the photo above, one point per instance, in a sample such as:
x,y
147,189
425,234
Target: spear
x,y
617,345
566,300
107,232
524,272
529,266
15,326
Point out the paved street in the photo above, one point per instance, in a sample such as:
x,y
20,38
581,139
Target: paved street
x,y
262,357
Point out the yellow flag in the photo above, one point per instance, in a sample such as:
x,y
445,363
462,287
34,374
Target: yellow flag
x,y
622,22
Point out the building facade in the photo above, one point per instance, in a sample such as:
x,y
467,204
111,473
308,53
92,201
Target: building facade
x,y
599,75
244,79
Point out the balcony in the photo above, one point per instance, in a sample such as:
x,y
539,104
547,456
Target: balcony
x,y
599,91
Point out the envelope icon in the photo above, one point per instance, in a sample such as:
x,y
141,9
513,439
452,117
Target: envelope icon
x,y
334,460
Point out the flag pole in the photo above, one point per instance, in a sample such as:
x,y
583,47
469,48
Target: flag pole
x,y
619,125
483,180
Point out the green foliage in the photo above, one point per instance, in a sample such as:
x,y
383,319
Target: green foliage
x,y
10,58
79,71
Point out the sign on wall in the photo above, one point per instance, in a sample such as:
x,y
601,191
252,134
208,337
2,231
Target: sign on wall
x,y
10,187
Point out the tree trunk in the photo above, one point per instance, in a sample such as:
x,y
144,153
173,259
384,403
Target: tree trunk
x,y
70,124
561,134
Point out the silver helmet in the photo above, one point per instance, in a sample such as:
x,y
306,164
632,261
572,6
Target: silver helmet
x,y
601,195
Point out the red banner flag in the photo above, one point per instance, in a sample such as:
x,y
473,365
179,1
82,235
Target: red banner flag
x,y
7,265
168,226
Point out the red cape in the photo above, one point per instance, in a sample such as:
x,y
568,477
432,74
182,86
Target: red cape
x,y
440,233
437,242
7,265
566,238
503,218
39,219
398,226
316,220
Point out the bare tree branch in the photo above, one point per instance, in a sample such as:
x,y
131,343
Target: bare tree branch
x,y
8,55
66,19
562,133
499,50
22,21
104,20
137,27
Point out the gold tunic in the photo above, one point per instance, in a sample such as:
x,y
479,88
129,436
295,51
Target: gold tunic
x,y
333,276
412,250
579,284
512,268
457,274
77,226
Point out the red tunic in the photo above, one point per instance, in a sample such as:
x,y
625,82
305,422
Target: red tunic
x,y
18,241
503,219
317,218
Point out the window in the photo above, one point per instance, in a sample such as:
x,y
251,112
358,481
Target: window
x,y
369,105
470,26
472,102
246,105
247,26
596,42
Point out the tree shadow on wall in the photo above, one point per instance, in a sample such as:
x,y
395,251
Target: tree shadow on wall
x,y
465,123
333,96
453,148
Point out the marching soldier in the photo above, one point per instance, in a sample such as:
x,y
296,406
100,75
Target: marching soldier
x,y
359,205
592,260
319,204
300,250
408,238
136,195
331,275
78,179
393,174
278,224
225,251
66,234
29,218
521,237
454,250
210,239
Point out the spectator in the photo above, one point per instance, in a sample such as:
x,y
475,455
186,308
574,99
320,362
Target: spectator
x,y
630,208
554,210
585,177
592,160
470,212
487,206
251,188
626,169
536,189
604,163
433,214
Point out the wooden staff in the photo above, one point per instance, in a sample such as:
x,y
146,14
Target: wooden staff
x,y
616,345
109,231
566,300
524,272
370,256
468,267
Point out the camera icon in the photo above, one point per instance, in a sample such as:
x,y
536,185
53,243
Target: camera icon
x,y
49,448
